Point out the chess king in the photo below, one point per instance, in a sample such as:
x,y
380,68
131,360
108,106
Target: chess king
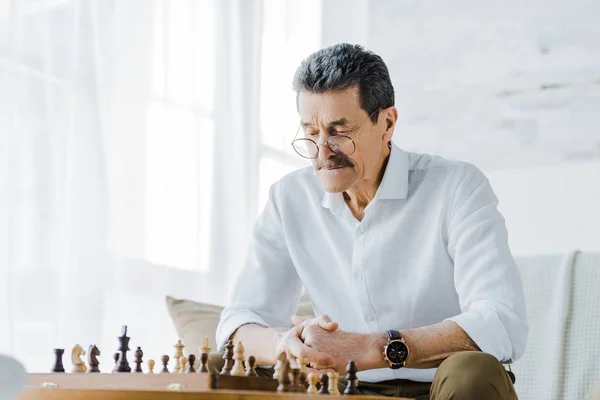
x,y
404,255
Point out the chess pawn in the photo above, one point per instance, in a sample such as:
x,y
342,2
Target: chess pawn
x,y
280,359
178,354
116,358
151,364
138,360
165,362
351,379
205,348
228,357
285,383
250,366
324,384
333,383
313,379
238,365
58,364
191,360
183,361
203,363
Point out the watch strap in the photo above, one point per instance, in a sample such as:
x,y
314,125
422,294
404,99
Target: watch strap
x,y
394,335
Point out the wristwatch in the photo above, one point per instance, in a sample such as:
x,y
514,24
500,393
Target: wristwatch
x,y
396,351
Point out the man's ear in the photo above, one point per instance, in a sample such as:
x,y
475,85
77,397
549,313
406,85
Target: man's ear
x,y
390,115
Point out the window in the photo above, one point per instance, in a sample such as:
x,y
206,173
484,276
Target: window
x,y
291,31
180,134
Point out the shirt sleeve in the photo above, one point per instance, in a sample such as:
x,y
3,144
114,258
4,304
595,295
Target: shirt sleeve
x,y
487,280
267,292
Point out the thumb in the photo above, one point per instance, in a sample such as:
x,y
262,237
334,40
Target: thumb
x,y
326,323
297,320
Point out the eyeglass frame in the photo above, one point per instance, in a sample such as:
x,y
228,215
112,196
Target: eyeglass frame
x,y
331,136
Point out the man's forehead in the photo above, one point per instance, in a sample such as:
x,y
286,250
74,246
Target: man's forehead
x,y
328,107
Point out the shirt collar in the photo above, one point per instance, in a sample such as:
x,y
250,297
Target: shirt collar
x,y
394,184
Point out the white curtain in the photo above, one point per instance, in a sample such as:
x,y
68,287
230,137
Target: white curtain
x,y
128,136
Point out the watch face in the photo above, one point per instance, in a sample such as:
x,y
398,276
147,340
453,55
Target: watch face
x,y
396,352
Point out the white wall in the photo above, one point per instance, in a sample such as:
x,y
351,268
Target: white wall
x,y
550,210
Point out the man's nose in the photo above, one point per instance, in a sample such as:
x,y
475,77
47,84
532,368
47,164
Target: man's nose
x,y
325,152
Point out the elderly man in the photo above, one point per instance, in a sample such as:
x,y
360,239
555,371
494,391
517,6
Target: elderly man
x,y
404,255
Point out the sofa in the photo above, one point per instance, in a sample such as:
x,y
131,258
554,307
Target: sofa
x,y
562,358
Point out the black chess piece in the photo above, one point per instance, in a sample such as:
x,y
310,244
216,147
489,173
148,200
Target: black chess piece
x,y
251,366
58,364
93,363
228,357
165,363
285,383
138,360
302,382
351,379
296,380
191,361
123,348
203,363
324,384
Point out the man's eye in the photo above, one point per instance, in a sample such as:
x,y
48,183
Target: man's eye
x,y
311,133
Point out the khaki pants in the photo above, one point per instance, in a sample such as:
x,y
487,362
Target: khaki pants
x,y
463,376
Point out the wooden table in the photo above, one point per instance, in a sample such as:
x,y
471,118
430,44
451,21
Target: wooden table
x,y
154,387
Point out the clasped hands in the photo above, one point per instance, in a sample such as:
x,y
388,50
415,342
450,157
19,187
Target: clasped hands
x,y
326,347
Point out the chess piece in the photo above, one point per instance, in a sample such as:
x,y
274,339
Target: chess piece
x,y
151,364
78,364
183,362
333,383
285,383
324,384
116,358
204,363
250,366
58,364
296,380
302,362
205,348
351,379
165,362
123,348
138,360
190,369
313,379
282,356
238,356
178,354
93,352
228,357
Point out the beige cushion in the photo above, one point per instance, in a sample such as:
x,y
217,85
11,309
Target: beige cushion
x,y
595,393
195,321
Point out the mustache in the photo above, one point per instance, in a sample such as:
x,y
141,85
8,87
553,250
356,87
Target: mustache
x,y
336,161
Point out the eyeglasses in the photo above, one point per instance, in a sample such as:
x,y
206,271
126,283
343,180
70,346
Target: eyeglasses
x,y
339,144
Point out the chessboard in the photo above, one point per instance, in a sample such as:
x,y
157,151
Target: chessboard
x,y
186,378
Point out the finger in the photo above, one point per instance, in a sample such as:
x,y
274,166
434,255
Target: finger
x,y
316,358
297,319
319,371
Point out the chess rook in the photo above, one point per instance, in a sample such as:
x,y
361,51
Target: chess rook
x,y
58,364
333,383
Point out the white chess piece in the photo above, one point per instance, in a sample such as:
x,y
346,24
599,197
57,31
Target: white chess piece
x,y
333,383
238,356
151,364
12,377
178,354
78,364
313,379
183,361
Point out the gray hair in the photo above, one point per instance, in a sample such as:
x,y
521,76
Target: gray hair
x,y
341,66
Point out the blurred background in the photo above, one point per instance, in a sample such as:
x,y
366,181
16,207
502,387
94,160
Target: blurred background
x,y
138,139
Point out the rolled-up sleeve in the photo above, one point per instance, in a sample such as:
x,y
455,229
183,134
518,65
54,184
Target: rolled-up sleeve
x,y
268,289
487,280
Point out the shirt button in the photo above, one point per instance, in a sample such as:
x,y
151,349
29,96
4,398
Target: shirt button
x,y
358,275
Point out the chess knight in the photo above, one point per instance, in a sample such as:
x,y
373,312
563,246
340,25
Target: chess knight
x,y
405,256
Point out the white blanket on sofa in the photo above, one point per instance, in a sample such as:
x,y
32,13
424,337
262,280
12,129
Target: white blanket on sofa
x,y
563,304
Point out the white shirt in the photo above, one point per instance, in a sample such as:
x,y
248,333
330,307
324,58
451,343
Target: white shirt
x,y
432,246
